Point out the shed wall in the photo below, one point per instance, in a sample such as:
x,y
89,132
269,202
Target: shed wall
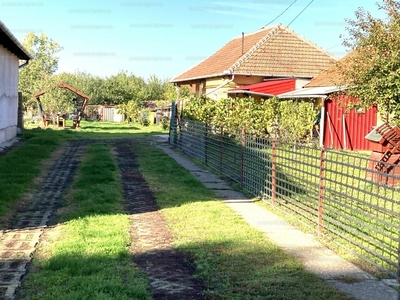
x,y
8,94
347,130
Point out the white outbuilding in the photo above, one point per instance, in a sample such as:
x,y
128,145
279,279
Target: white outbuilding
x,y
13,56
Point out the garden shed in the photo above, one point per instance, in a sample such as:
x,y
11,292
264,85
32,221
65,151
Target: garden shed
x,y
338,128
12,57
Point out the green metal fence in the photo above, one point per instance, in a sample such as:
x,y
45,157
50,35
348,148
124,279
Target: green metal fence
x,y
332,192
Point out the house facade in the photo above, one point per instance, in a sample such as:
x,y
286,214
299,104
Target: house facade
x,y
11,53
271,53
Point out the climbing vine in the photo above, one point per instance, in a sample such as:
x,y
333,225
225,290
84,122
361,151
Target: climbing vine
x,y
290,120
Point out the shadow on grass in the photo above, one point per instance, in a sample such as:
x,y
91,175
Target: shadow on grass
x,y
223,270
109,128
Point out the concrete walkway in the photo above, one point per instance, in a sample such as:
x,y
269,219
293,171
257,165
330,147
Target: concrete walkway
x,y
315,257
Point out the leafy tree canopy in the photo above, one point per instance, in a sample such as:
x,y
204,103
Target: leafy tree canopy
x,y
373,73
34,77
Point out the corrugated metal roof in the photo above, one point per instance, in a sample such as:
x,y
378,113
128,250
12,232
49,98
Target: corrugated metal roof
x,y
267,88
315,92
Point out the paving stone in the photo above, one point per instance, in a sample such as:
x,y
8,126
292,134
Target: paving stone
x,y
18,240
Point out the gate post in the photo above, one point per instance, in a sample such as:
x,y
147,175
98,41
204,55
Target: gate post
x,y
273,172
206,145
242,138
172,124
220,149
321,192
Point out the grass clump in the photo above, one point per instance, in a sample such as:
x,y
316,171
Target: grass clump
x,y
19,166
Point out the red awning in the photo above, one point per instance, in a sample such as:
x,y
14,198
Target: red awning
x,y
268,88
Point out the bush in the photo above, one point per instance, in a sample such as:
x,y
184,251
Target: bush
x,y
165,123
144,118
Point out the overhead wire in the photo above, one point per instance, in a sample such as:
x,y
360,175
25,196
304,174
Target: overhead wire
x,y
309,3
287,26
287,8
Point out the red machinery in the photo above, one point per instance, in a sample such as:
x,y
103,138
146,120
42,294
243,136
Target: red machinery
x,y
385,157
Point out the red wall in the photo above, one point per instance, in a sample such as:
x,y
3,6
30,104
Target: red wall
x,y
350,133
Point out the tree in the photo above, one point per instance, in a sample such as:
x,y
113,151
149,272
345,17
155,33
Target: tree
x,y
154,89
170,93
130,109
160,92
122,88
373,74
35,76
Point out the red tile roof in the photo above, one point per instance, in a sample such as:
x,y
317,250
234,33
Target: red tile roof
x,y
270,51
332,76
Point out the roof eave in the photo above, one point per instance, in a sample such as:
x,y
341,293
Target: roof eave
x,y
197,78
23,54
274,75
302,96
324,94
241,74
250,93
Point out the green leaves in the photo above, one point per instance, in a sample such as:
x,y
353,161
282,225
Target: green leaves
x,y
294,119
374,72
34,77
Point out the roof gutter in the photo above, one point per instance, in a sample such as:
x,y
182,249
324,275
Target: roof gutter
x,y
24,64
249,93
221,85
303,96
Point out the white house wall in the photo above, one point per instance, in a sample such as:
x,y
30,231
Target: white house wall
x,y
8,94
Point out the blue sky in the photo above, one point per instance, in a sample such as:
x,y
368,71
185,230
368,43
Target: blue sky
x,y
165,38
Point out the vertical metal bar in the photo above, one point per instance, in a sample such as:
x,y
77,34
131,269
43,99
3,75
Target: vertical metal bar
x,y
344,132
206,145
273,190
321,192
242,158
220,151
398,263
172,124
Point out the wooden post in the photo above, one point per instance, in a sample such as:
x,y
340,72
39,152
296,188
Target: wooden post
x,y
20,120
321,192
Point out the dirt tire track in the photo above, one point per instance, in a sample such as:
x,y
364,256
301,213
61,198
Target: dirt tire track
x,y
169,274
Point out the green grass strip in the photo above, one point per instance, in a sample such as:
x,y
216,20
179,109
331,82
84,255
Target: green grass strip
x,y
234,260
87,256
20,166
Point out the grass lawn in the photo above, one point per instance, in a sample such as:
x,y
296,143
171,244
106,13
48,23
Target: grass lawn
x,y
87,257
234,260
